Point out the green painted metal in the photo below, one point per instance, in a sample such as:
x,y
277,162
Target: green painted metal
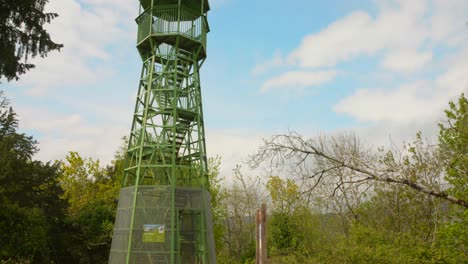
x,y
165,186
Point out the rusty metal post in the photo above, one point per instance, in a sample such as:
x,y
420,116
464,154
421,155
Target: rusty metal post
x,y
257,237
261,245
264,234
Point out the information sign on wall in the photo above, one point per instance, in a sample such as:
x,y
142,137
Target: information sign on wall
x,y
154,233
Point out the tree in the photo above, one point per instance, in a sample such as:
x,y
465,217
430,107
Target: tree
x,y
295,230
453,143
84,180
91,192
417,165
285,198
218,194
22,35
23,233
241,202
31,212
284,194
94,225
403,204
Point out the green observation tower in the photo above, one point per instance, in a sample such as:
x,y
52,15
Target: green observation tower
x,y
164,212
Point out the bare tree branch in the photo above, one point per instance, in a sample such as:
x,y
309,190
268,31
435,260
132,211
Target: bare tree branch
x,y
327,156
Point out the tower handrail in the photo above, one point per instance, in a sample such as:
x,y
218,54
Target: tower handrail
x,y
163,20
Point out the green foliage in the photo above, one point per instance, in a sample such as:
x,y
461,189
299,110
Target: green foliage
x,y
23,233
453,143
84,181
395,223
91,192
287,216
93,232
52,213
282,230
284,194
118,164
30,208
14,146
22,35
453,238
64,212
405,210
218,194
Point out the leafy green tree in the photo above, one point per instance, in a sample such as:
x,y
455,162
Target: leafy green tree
x,y
295,231
453,144
284,219
23,233
84,180
31,211
91,192
93,225
218,194
408,205
284,194
22,35
453,237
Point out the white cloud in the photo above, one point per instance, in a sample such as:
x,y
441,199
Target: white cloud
x,y
399,25
233,146
399,105
59,71
402,37
86,33
359,34
340,41
275,62
386,133
399,30
456,77
406,61
72,132
421,100
449,22
298,80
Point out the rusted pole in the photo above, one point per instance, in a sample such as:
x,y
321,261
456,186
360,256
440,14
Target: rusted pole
x,y
264,234
257,237
261,246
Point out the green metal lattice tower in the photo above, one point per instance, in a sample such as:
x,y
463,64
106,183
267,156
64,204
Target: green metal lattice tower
x,y
164,213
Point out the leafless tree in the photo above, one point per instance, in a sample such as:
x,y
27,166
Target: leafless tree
x,y
242,199
344,162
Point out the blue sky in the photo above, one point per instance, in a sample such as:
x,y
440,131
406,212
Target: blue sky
x,y
380,68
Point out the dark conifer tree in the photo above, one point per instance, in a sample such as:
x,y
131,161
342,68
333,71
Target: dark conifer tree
x,y
22,35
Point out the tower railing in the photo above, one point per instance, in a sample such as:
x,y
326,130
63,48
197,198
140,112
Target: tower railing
x,y
164,20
